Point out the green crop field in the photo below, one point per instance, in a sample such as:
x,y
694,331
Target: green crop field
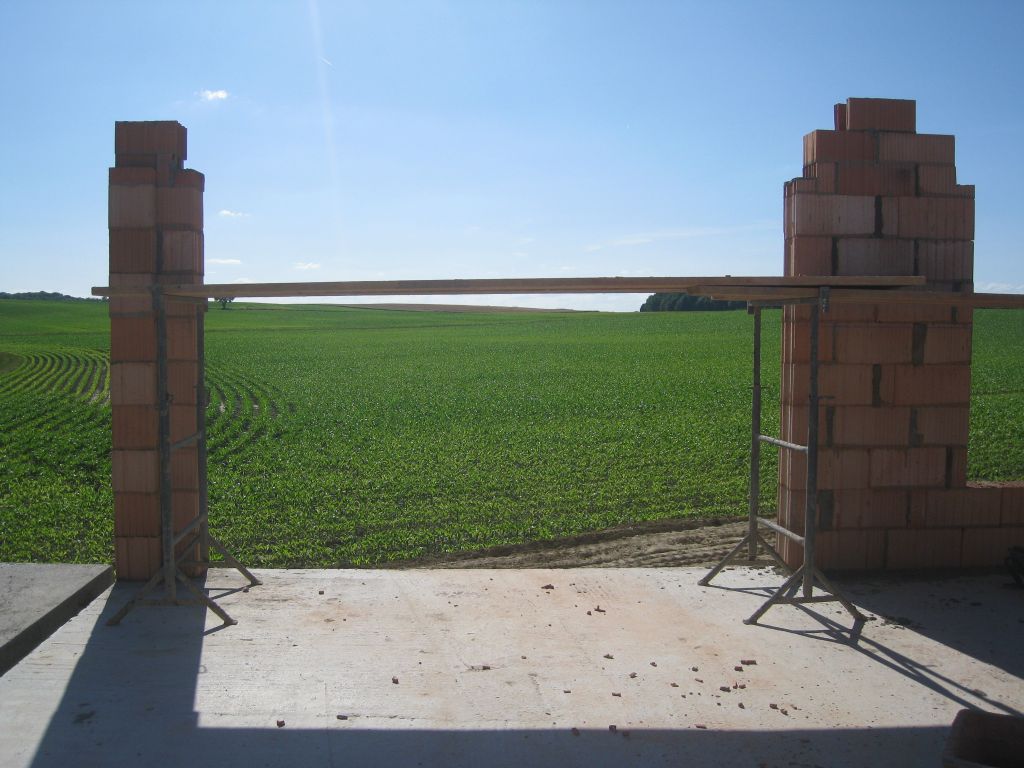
x,y
352,437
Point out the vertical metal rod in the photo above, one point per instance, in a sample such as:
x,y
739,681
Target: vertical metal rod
x,y
811,506
164,447
204,534
755,442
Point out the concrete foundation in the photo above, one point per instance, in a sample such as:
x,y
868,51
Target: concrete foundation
x,y
585,667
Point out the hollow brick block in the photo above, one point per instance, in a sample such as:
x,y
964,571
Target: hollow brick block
x,y
179,207
910,548
913,313
150,137
932,384
874,256
839,146
903,467
183,252
136,514
133,251
183,421
942,425
833,215
850,550
936,180
132,339
135,471
874,343
1012,507
185,469
869,508
945,260
873,179
137,558
947,344
131,206
957,507
824,175
181,381
132,384
987,547
181,338
916,148
870,426
957,475
936,218
809,255
135,427
881,115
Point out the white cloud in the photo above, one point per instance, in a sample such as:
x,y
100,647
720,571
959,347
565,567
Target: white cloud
x,y
998,288
232,214
207,95
223,261
645,238
306,265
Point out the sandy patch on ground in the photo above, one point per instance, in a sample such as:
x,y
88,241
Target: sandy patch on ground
x,y
644,545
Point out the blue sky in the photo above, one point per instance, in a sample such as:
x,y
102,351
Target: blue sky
x,y
376,140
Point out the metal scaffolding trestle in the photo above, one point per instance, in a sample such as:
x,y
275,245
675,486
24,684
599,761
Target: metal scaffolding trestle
x,y
798,589
196,533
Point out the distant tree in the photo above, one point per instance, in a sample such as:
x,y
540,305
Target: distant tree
x,y
684,302
224,301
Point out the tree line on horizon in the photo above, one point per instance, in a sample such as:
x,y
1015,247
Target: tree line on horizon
x,y
684,302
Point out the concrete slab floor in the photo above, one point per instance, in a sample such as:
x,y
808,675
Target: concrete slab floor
x,y
37,598
587,667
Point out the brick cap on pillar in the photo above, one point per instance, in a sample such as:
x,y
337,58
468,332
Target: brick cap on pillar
x,y
863,114
149,137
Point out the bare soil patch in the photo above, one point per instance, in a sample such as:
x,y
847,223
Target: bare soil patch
x,y
663,543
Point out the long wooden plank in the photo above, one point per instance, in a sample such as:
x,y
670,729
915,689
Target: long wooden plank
x,y
505,286
865,296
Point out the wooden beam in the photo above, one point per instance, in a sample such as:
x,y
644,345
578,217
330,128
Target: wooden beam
x,y
783,295
505,286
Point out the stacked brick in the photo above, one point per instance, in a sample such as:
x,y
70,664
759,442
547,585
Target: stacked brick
x,y
878,198
155,217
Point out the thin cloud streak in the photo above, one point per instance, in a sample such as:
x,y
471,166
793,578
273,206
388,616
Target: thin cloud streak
x,y
229,214
218,95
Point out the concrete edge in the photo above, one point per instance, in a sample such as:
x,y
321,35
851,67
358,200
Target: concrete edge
x,y
26,641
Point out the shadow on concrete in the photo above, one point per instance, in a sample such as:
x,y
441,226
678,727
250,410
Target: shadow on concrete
x,y
131,701
980,617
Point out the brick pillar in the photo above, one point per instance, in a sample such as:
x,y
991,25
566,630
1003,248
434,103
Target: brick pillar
x,y
878,198
155,217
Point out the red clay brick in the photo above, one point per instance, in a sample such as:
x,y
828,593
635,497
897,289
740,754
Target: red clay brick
x,y
916,148
869,508
957,467
184,469
181,382
1012,507
947,344
850,313
136,514
179,207
183,251
870,426
874,343
873,179
839,146
875,256
136,558
932,385
181,338
150,137
890,216
135,471
133,206
809,255
132,339
183,421
959,507
986,547
881,115
936,180
135,427
840,468
945,260
839,115
132,384
936,218
913,313
906,467
832,215
824,175
129,176
942,425
188,177
850,550
908,548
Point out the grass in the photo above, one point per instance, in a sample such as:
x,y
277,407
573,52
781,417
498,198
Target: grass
x,y
352,437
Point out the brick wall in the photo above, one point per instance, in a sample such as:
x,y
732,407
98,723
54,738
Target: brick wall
x,y
155,217
878,198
